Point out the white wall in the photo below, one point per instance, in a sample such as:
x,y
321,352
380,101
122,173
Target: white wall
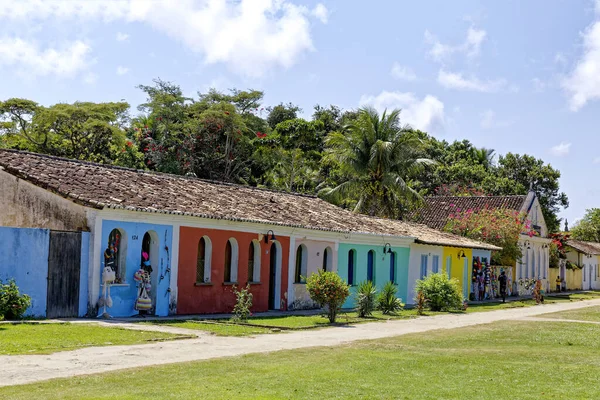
x,y
414,265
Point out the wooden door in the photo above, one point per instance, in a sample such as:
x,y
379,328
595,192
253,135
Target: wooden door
x,y
272,275
64,263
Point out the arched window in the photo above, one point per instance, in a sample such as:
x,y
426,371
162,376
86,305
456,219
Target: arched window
x,y
300,264
371,266
231,261
393,267
327,259
254,261
351,258
115,254
203,262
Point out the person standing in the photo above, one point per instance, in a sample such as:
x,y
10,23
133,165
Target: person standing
x,y
502,281
558,283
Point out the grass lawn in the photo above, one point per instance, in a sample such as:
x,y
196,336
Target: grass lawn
x,y
217,329
509,359
583,314
50,338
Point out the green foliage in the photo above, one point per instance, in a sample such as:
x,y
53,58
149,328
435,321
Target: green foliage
x,y
588,228
328,290
365,299
243,303
440,293
376,156
282,112
13,304
387,302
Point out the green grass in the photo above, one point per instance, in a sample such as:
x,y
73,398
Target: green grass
x,y
583,314
50,338
508,359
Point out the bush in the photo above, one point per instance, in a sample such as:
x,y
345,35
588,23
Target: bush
x,y
329,291
365,299
387,302
13,305
243,303
440,293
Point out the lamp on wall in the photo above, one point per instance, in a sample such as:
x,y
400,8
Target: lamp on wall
x,y
461,254
267,236
528,245
387,248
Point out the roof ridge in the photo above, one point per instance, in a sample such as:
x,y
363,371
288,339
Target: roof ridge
x,y
471,197
144,171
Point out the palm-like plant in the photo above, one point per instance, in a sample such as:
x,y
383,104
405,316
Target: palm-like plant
x,y
377,156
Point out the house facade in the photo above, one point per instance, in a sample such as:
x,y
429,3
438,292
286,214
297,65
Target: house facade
x,y
134,242
534,264
581,269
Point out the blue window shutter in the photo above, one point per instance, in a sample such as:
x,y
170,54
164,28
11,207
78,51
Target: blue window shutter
x,y
436,264
423,266
370,262
393,267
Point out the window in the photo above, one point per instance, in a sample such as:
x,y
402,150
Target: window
x,y
393,267
254,262
351,257
146,252
435,268
533,274
327,259
371,266
116,254
203,261
231,261
449,266
423,266
526,264
300,264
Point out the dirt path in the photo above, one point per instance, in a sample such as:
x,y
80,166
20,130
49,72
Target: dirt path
x,y
32,368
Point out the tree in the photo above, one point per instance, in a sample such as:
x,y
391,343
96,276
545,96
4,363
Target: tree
x,y
282,112
376,155
588,228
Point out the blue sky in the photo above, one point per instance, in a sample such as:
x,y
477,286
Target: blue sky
x,y
512,75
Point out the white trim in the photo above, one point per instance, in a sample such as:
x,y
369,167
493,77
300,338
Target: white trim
x,y
174,269
291,270
95,221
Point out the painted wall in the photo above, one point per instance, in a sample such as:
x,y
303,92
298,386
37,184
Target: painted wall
x,y
83,273
460,267
381,270
312,253
217,296
27,206
414,272
482,254
24,257
124,295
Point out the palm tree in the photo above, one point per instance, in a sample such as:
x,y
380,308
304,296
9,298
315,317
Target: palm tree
x,y
376,156
484,157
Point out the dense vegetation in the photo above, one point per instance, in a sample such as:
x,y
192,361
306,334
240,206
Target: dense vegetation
x,y
356,158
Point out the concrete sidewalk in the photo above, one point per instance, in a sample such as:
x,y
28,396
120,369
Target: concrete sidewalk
x,y
33,368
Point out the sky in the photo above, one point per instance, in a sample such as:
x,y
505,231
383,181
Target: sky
x,y
515,76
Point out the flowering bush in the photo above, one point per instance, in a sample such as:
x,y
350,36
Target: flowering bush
x,y
328,290
13,304
243,303
499,227
457,190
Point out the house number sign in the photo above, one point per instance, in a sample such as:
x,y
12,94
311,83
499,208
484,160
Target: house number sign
x,y
134,237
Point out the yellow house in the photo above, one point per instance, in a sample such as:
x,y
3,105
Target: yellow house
x,y
457,263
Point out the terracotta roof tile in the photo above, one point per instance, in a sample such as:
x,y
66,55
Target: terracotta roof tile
x,y
591,248
102,186
437,209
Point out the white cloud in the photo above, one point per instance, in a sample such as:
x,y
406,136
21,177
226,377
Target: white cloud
x,y
122,70
471,46
32,61
452,80
560,59
487,119
121,37
561,149
249,36
426,114
583,83
403,73
321,13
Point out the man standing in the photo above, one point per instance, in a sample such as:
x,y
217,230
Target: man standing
x,y
502,280
558,283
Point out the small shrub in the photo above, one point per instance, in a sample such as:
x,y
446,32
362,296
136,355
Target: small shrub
x,y
420,303
243,303
365,299
13,304
329,291
440,293
387,302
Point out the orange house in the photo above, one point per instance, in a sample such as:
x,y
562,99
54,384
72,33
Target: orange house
x,y
212,261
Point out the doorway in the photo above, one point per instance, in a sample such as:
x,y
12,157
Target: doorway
x,y
272,275
64,263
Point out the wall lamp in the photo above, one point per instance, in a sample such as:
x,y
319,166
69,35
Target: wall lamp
x,y
528,245
267,236
461,254
387,248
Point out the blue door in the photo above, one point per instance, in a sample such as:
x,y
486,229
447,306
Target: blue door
x,y
393,267
370,261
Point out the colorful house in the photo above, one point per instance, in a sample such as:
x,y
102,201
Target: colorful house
x,y
584,273
161,244
437,212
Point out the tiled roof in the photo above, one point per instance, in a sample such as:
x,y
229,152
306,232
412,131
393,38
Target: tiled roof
x,y
591,248
437,209
101,186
